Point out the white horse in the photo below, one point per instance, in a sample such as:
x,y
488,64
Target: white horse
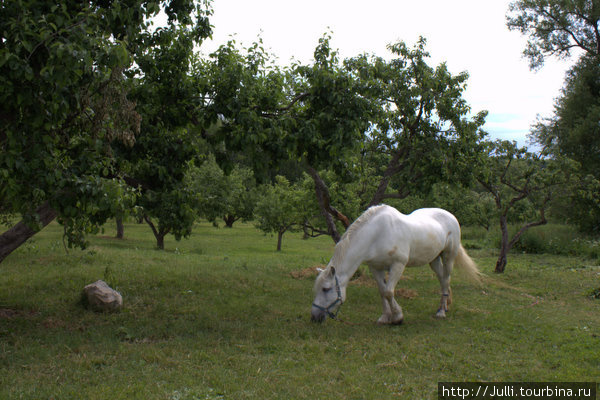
x,y
387,241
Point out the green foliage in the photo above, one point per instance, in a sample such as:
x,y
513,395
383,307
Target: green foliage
x,y
279,208
574,132
166,92
243,94
522,185
63,104
556,27
332,116
423,125
559,240
469,206
220,196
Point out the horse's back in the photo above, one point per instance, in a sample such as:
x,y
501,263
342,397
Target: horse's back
x,y
444,218
428,232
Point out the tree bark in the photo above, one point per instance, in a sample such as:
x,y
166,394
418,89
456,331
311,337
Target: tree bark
x,y
160,241
328,212
120,228
18,234
392,168
504,246
229,220
158,234
279,239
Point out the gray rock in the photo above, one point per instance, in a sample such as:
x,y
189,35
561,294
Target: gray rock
x,y
101,297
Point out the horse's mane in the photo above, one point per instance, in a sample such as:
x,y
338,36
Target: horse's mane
x,y
342,246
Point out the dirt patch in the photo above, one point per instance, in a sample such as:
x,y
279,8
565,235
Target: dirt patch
x,y
6,313
306,273
406,293
50,323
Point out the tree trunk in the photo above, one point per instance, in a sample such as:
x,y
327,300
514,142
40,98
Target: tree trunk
x,y
327,211
18,234
120,228
504,246
160,241
229,220
279,239
392,168
159,235
502,259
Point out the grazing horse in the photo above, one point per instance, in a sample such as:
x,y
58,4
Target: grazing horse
x,y
387,241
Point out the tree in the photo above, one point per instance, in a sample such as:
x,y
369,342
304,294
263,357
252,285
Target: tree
x,y
278,208
424,125
243,96
574,132
62,107
329,122
517,179
471,207
310,114
165,87
556,27
227,197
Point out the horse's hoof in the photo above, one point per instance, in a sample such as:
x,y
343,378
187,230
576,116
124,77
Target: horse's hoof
x,y
398,322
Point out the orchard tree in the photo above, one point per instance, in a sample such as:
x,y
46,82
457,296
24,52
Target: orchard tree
x,y
328,122
243,94
471,207
278,209
574,132
522,185
223,197
556,27
310,114
166,92
424,126
63,105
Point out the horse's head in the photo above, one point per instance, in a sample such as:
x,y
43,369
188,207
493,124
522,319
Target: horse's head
x,y
328,295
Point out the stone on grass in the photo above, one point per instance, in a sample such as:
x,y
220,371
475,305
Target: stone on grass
x,y
101,297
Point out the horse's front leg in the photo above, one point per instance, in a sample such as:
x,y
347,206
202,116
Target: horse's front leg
x,y
379,276
394,276
392,312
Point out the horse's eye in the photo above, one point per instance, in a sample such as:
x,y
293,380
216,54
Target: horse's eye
x,y
326,289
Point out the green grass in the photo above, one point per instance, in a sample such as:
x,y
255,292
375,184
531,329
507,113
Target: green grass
x,y
219,316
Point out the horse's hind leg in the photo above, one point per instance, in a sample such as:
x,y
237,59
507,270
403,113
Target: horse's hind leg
x,y
442,266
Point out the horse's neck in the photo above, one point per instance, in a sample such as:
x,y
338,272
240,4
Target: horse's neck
x,y
349,256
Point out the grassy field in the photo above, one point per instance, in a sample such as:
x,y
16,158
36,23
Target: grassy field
x,y
224,316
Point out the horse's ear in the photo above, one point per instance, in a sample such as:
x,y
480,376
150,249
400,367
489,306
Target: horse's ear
x,y
332,272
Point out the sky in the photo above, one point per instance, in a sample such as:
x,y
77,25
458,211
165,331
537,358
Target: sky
x,y
469,35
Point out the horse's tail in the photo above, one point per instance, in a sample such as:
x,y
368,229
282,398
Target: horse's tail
x,y
464,262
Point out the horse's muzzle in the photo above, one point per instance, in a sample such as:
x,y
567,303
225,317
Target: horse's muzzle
x,y
317,315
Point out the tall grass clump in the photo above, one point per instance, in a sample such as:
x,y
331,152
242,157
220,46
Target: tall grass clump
x,y
558,239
